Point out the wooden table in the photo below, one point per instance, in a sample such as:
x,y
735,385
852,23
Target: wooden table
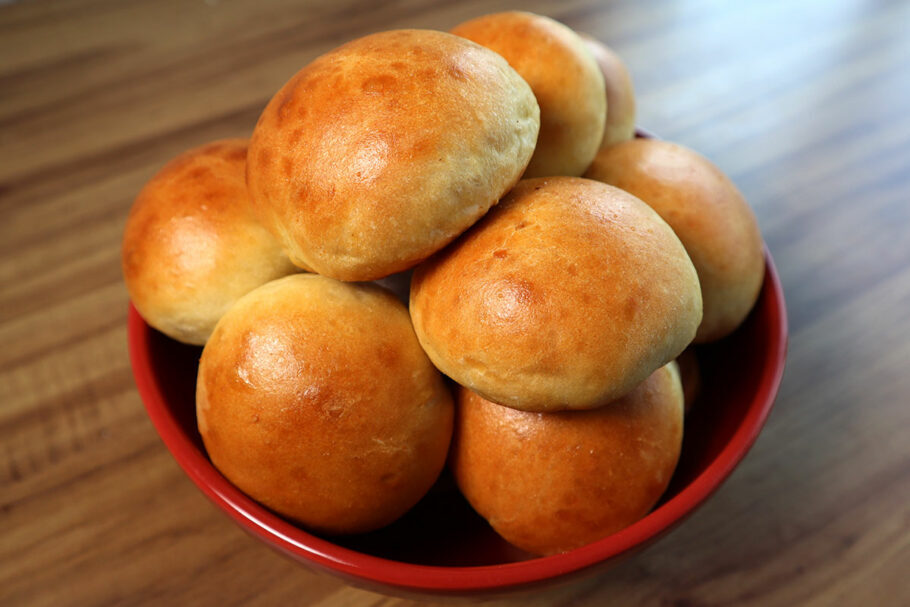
x,y
804,104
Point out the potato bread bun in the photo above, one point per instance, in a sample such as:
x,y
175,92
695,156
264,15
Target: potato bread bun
x,y
315,399
565,79
382,151
707,212
565,296
620,124
192,244
551,482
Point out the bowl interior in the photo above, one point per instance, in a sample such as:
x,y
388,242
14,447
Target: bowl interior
x,y
740,376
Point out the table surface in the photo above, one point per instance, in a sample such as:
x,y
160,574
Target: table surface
x,y
805,105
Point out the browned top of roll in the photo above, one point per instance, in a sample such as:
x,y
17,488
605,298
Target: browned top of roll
x,y
315,398
551,482
707,212
380,152
564,77
192,244
565,296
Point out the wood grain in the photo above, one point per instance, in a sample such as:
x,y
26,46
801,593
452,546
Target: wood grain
x,y
803,104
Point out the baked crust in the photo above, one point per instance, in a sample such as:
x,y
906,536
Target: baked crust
x,y
620,124
551,482
192,244
566,81
315,399
380,152
707,212
565,296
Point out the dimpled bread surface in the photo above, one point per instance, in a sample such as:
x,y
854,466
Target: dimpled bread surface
x,y
382,151
565,296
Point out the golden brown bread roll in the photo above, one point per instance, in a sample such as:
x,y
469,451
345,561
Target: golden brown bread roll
x,y
315,399
551,482
382,151
620,124
192,244
565,79
565,296
707,212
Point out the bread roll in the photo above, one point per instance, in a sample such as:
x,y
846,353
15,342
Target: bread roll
x,y
620,124
315,399
192,244
551,482
565,79
565,296
707,212
382,151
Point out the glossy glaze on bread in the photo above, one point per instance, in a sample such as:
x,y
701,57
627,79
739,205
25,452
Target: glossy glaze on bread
x,y
192,244
315,399
565,296
380,152
707,212
551,482
565,79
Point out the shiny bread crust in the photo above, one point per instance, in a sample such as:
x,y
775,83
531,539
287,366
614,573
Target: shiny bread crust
x,y
708,213
315,398
382,151
192,244
566,295
551,482
566,81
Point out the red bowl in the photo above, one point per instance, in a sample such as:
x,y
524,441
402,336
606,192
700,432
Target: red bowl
x,y
441,546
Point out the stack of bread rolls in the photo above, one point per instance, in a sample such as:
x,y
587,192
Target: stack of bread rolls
x,y
554,267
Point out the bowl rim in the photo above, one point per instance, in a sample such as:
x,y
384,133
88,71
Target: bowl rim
x,y
374,570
